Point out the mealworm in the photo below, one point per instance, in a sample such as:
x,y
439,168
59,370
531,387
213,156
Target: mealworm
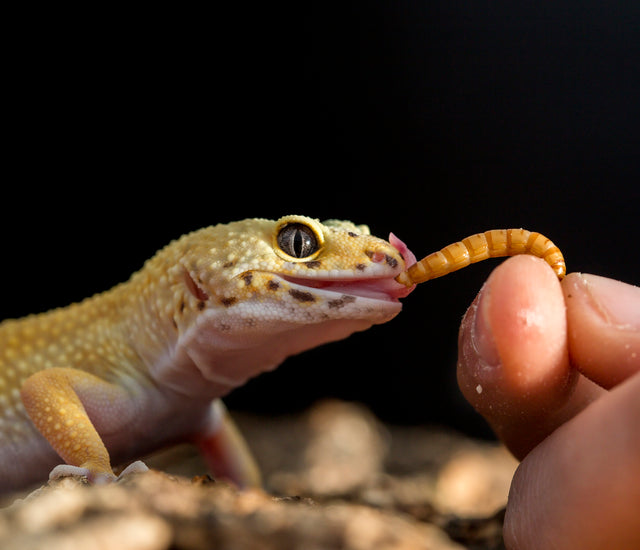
x,y
490,244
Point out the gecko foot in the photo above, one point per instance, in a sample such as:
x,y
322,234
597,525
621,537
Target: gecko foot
x,y
67,470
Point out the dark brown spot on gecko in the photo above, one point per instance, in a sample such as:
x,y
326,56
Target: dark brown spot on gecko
x,y
226,302
361,267
273,285
313,264
229,264
247,278
342,301
181,307
201,306
352,234
301,296
391,261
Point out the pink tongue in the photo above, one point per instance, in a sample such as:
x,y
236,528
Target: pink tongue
x,y
409,260
409,257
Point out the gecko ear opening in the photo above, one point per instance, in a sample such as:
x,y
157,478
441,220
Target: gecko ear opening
x,y
297,239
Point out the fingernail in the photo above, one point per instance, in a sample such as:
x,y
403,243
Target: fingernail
x,y
481,336
617,303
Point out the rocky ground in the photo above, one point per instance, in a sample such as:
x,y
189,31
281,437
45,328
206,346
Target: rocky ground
x,y
335,478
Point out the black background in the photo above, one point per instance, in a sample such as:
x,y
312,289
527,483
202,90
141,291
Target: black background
x,y
433,120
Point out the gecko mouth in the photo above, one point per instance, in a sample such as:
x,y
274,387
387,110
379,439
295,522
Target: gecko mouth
x,y
381,288
385,289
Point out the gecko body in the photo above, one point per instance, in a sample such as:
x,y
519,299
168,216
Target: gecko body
x,y
143,365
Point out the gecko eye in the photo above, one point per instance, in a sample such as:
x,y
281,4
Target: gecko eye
x,y
298,240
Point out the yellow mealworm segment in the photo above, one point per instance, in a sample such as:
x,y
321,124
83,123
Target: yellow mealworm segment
x,y
490,244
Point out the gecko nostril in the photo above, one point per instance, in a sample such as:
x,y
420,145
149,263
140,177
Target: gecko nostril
x,y
376,257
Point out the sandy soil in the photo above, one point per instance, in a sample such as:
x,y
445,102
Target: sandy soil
x,y
335,478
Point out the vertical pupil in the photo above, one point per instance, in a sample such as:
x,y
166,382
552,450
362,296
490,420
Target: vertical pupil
x,y
301,243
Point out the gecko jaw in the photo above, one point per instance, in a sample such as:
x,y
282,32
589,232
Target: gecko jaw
x,y
383,289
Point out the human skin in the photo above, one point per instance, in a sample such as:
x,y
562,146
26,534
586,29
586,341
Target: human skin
x,y
555,370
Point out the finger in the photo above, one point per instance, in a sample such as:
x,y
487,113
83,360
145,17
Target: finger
x,y
580,488
513,362
603,317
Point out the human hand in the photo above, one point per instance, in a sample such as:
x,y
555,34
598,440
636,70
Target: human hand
x,y
555,370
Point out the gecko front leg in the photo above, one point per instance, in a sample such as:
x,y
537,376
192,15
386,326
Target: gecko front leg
x,y
64,404
60,402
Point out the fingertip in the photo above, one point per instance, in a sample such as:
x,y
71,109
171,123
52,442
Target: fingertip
x,y
603,316
514,334
513,361
527,317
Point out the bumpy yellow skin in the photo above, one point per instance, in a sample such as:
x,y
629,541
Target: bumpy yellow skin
x,y
137,367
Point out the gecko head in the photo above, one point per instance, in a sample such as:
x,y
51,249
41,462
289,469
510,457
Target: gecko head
x,y
296,269
260,290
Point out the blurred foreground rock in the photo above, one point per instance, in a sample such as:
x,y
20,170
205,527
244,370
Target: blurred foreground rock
x,y
335,478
